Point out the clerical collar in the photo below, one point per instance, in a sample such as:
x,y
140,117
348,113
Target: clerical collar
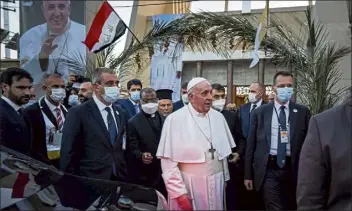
x,y
196,113
67,27
148,115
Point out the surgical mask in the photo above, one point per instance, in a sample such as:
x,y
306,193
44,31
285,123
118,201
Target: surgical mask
x,y
284,94
219,104
58,94
252,98
30,102
135,96
150,108
111,94
184,98
73,100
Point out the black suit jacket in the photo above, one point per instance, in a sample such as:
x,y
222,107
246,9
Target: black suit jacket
x,y
325,169
178,104
234,124
245,115
15,130
259,140
142,138
36,118
86,149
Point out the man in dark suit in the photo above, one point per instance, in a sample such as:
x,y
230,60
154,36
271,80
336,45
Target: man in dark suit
x,y
255,98
324,176
274,144
144,131
93,139
184,97
131,104
15,130
235,189
47,117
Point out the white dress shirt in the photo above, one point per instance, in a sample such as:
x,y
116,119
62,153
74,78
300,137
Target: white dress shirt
x,y
12,104
49,126
104,113
275,129
259,103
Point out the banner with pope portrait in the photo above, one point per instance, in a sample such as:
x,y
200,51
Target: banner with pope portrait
x,y
52,32
166,64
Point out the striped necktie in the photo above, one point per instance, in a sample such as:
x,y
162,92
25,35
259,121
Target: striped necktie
x,y
59,120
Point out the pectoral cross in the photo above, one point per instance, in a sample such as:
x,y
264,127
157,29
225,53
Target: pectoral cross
x,y
212,150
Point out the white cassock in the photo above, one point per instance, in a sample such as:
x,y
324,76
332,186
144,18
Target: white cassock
x,y
187,164
69,45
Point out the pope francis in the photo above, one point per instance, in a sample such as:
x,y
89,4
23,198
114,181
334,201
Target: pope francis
x,y
44,48
194,147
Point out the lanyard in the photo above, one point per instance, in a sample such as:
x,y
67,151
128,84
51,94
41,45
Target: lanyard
x,y
278,120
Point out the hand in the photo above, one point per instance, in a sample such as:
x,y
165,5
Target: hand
x,y
71,80
235,157
184,202
178,74
47,47
248,184
147,158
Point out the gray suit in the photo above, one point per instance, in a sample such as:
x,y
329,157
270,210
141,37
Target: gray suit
x,y
325,169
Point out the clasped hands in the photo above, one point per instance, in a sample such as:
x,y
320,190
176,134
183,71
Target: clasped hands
x,y
147,158
235,158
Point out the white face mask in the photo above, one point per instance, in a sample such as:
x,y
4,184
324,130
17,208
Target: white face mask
x,y
73,100
185,98
150,108
252,98
111,94
219,104
58,94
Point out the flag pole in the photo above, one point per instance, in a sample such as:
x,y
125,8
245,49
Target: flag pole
x,y
267,24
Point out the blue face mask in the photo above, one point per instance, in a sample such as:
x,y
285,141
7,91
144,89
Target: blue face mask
x,y
135,96
30,102
284,94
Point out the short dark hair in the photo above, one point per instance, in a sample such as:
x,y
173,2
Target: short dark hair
x,y
184,85
218,87
85,80
146,90
135,82
282,73
14,74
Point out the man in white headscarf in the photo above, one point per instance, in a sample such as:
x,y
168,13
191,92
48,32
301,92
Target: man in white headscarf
x,y
194,147
44,48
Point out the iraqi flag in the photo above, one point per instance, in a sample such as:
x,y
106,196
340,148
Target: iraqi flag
x,y
107,27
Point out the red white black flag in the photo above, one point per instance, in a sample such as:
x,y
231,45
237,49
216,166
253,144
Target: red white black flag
x,y
107,27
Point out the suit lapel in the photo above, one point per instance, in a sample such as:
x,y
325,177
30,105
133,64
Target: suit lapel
x,y
268,115
118,124
94,110
13,114
64,110
48,112
292,119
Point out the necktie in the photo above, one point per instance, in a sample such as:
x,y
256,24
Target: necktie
x,y
136,108
113,133
59,118
281,148
20,111
253,107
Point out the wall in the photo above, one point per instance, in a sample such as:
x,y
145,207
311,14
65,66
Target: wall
x,y
334,15
216,72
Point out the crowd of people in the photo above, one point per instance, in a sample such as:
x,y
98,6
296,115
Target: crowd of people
x,y
200,152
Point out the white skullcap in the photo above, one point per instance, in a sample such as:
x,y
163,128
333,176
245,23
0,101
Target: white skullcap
x,y
194,82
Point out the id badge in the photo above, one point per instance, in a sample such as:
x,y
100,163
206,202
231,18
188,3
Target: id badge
x,y
124,142
57,139
284,136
